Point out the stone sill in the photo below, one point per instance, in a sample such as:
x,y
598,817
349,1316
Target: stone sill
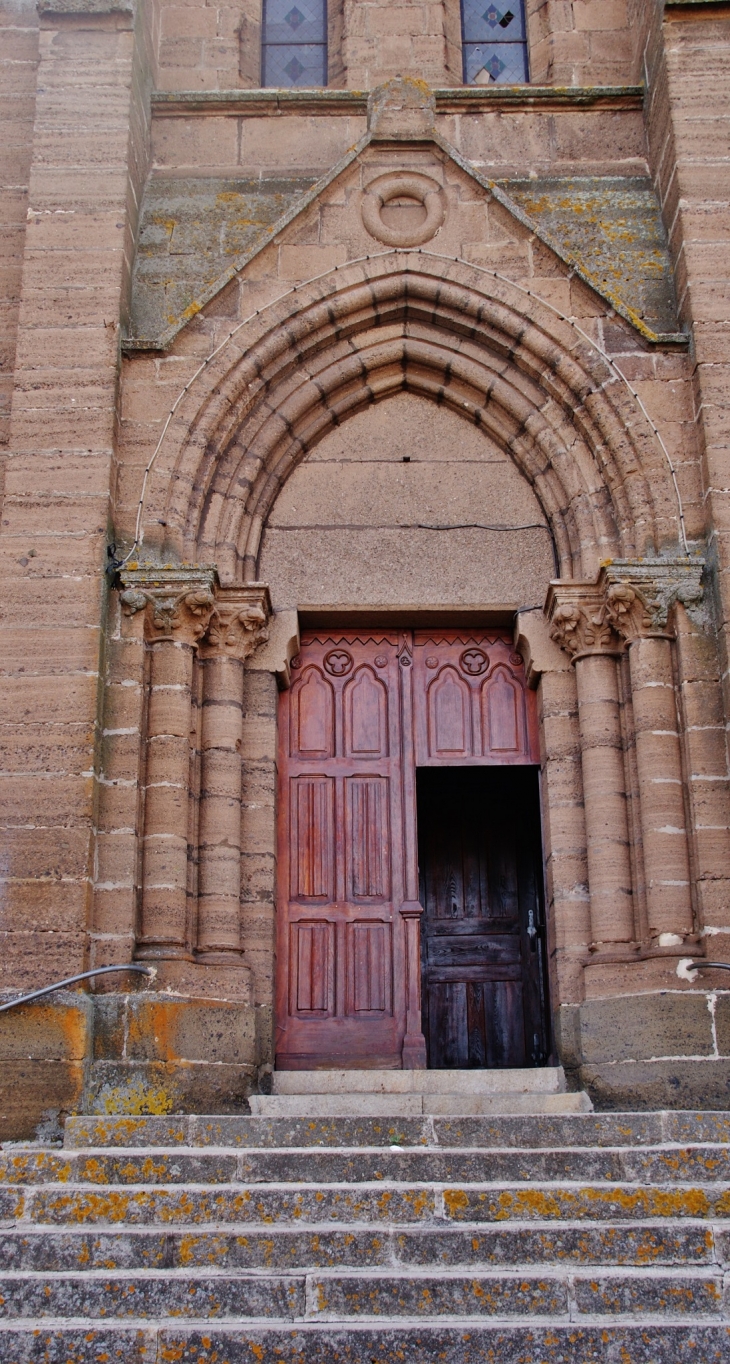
x,y
461,99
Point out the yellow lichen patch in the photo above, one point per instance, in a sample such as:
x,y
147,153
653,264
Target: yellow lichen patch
x,y
150,1169
455,1201
419,1201
112,1206
532,1202
651,1202
137,1098
185,1249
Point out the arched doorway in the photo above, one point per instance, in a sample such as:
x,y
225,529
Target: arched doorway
x,y
408,810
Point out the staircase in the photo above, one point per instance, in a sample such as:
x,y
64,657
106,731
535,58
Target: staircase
x,y
361,1239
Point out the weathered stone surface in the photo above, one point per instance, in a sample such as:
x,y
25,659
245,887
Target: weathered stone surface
x,y
688,1084
614,228
338,1261
191,230
397,1295
258,1204
149,1296
168,1086
676,1296
639,1027
569,1345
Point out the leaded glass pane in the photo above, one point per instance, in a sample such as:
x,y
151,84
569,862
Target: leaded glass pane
x,y
294,21
503,22
485,63
294,64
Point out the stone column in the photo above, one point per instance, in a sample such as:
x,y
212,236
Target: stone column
x,y
638,596
238,625
579,624
178,604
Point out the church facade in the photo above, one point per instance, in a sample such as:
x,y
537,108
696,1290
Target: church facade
x,y
364,545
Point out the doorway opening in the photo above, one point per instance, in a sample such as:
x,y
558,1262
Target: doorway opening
x,y
483,951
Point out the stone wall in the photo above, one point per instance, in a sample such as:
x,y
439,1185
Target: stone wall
x,y
581,42
532,376
350,529
18,61
217,46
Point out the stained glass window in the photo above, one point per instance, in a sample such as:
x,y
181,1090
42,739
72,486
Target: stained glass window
x,y
494,42
294,44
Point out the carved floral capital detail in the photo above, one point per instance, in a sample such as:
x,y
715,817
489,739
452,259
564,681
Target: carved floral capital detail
x,y
630,599
628,611
641,592
190,605
579,620
239,623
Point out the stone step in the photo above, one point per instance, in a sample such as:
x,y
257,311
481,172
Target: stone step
x,y
206,1295
535,1238
554,1130
661,1244
379,1204
462,1165
469,1341
542,1080
413,1105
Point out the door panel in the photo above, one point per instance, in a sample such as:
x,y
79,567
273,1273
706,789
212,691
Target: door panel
x,y
313,844
370,967
471,700
369,713
313,716
366,716
367,801
312,988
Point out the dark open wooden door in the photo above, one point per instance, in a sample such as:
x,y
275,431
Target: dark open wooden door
x,y
482,933
363,711
482,930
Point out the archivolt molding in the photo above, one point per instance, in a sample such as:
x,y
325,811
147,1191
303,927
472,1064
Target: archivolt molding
x,y
404,321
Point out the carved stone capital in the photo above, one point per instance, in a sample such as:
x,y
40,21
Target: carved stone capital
x,y
239,622
640,593
579,621
177,602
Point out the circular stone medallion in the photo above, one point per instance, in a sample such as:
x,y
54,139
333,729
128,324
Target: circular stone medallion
x,y
412,190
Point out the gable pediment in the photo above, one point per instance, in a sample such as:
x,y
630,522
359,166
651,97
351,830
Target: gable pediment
x,y
199,233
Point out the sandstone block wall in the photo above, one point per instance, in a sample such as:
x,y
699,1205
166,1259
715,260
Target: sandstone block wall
x,y
216,46
18,61
347,374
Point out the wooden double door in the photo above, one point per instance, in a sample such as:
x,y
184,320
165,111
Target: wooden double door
x,y
410,925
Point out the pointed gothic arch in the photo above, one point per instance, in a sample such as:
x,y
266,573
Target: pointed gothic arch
x,y
496,355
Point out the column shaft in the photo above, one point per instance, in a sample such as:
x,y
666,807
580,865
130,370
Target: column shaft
x,y
219,885
609,866
658,760
164,917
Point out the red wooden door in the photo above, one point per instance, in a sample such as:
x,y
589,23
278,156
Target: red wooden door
x,y
364,709
346,857
471,700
